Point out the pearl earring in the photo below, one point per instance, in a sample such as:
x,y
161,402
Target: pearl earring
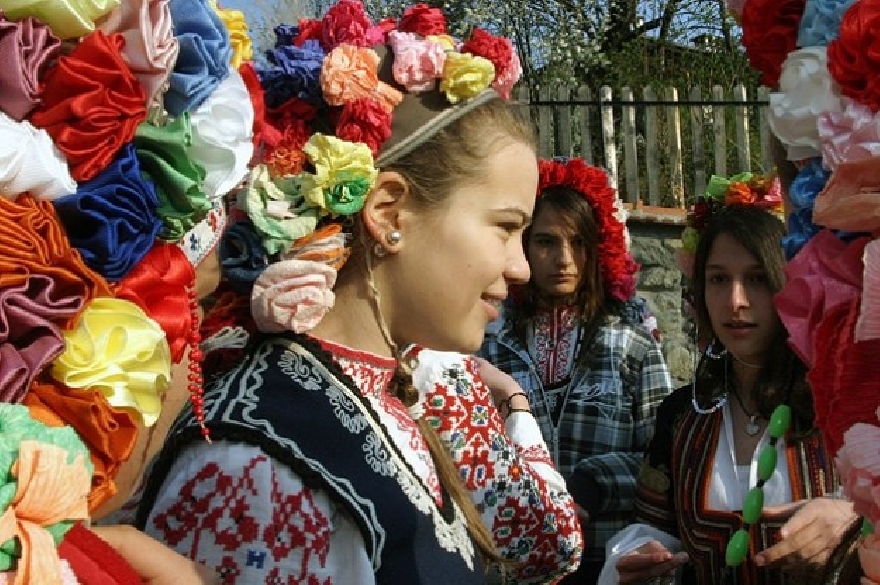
x,y
393,237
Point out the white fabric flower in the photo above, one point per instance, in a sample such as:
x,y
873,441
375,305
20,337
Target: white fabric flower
x,y
30,162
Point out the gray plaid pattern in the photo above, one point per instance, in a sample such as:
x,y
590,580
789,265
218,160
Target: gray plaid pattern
x,y
607,420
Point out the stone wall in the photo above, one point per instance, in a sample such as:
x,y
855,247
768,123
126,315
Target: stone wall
x,y
656,236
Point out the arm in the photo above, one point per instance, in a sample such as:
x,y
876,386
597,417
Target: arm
x,y
607,482
232,508
507,470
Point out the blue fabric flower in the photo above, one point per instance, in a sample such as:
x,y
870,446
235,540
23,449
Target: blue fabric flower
x,y
203,60
242,256
112,219
820,23
285,33
807,185
292,72
800,229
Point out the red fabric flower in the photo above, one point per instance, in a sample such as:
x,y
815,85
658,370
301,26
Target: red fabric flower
x,y
498,50
366,121
378,35
292,109
770,29
92,104
843,378
617,266
263,132
423,20
309,29
347,23
853,57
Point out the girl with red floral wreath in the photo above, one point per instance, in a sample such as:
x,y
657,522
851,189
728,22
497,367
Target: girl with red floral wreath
x,y
570,338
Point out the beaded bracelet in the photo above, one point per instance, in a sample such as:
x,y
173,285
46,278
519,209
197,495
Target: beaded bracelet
x,y
506,403
512,410
753,506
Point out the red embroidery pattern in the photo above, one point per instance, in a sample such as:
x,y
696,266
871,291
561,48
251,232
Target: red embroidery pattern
x,y
555,332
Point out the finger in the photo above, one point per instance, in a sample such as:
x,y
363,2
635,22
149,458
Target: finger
x,y
661,569
640,562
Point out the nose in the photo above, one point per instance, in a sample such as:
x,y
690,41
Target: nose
x,y
517,270
739,297
564,254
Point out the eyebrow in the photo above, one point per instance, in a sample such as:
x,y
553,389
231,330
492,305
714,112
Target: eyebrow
x,y
526,218
752,267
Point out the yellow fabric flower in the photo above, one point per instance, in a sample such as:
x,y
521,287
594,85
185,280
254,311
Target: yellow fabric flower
x,y
446,41
465,76
239,39
117,349
67,19
344,174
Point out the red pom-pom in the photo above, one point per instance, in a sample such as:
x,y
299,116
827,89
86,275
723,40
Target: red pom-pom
x,y
346,23
770,29
366,121
498,50
423,20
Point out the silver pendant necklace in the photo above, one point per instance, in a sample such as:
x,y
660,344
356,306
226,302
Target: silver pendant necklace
x,y
753,427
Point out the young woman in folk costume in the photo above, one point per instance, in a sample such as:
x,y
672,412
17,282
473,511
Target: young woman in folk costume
x,y
591,373
401,229
114,158
737,485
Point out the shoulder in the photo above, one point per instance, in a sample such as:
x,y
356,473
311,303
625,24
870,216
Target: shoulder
x,y
676,403
633,341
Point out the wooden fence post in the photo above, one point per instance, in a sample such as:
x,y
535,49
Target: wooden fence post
x,y
630,148
743,149
767,162
719,125
563,121
608,138
651,147
676,172
699,149
584,95
545,124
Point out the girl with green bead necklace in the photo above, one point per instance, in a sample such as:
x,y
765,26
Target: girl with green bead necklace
x,y
737,486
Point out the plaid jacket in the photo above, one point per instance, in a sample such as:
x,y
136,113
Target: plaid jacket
x,y
606,421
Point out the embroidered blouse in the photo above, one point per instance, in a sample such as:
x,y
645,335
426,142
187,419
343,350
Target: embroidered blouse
x,y
523,500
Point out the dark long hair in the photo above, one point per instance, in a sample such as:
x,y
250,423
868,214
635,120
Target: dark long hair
x,y
783,376
590,294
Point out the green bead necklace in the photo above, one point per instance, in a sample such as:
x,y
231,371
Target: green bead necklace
x,y
738,547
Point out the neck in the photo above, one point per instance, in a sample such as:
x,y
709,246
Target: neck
x,y
352,321
746,377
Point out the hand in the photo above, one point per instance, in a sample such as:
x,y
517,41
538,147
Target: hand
x,y
649,561
154,562
501,385
810,536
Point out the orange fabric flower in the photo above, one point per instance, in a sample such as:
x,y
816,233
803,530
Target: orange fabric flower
x,y
109,434
351,73
91,104
739,194
32,241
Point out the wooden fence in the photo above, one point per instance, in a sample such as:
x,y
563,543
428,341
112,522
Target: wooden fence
x,y
659,148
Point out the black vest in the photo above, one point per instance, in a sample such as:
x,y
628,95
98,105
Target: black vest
x,y
292,401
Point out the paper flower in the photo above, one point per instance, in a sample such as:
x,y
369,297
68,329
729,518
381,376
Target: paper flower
x,y
423,20
465,76
277,209
345,23
239,39
500,51
292,295
850,135
293,71
350,73
821,21
858,463
770,29
806,90
418,63
850,60
343,175
118,350
364,121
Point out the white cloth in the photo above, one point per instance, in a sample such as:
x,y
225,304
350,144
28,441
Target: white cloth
x,y
30,162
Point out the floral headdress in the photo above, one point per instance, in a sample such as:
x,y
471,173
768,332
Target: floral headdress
x,y
122,126
617,266
742,189
826,111
341,97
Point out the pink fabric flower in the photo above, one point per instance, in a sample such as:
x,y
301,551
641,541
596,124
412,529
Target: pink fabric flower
x,y
849,136
292,295
27,46
869,556
858,462
417,63
150,45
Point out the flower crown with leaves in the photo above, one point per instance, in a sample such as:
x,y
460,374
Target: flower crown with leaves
x,y
341,97
616,264
742,189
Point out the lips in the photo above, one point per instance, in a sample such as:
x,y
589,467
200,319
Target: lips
x,y
492,306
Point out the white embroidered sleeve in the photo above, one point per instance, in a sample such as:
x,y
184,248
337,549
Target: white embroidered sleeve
x,y
233,508
523,499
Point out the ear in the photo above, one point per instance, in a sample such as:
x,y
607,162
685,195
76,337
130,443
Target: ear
x,y
383,207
